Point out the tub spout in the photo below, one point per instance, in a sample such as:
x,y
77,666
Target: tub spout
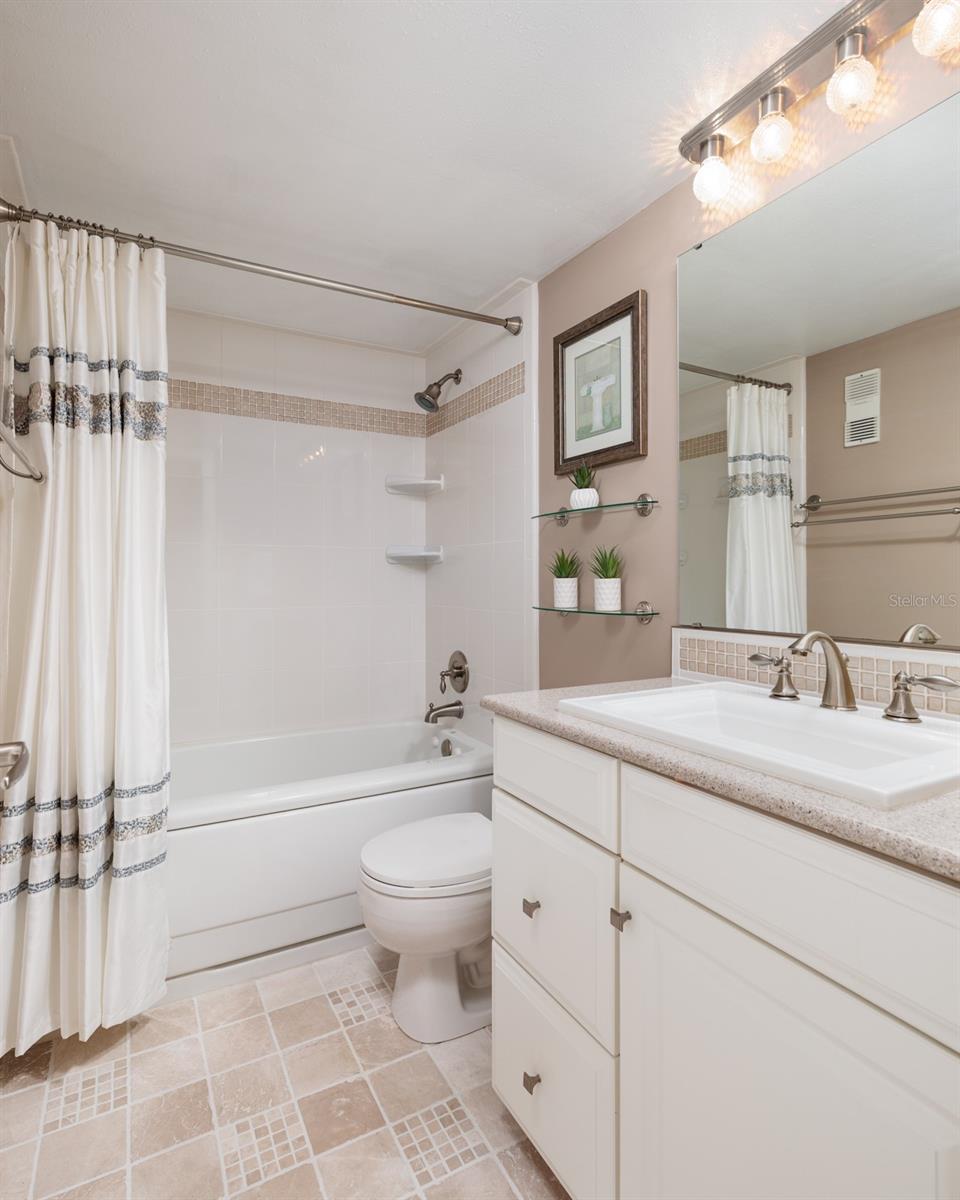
x,y
435,712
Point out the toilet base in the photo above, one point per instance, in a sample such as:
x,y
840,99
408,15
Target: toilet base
x,y
432,1003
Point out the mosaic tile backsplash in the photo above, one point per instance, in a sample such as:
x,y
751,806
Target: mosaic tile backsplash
x,y
872,668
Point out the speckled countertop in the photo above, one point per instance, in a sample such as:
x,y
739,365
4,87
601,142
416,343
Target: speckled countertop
x,y
924,835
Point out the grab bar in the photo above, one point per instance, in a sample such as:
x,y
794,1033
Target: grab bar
x,y
31,472
930,512
14,757
814,502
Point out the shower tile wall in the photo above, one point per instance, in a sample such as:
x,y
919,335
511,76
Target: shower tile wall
x,y
283,612
480,599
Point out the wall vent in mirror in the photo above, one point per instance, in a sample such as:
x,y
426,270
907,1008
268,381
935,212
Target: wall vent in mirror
x,y
861,401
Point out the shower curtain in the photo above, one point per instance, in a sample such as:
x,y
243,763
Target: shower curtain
x,y
83,639
761,574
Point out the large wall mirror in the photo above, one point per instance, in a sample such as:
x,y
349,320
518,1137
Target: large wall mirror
x,y
819,343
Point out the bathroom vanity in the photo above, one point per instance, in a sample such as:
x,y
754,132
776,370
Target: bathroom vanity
x,y
700,990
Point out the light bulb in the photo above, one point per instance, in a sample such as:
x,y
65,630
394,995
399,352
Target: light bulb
x,y
854,81
936,30
772,137
712,181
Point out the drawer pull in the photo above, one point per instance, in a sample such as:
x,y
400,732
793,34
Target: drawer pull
x,y
619,919
530,907
530,1082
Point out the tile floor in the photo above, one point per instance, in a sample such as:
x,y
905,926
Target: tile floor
x,y
297,1087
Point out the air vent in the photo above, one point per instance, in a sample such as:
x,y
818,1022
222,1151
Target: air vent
x,y
861,398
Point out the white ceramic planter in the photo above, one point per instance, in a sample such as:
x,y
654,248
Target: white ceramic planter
x,y
566,593
584,498
606,595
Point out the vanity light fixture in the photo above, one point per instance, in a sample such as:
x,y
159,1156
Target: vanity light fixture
x,y
712,180
936,30
854,79
772,137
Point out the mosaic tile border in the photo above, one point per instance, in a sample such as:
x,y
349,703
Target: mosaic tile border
x,y
871,667
304,410
479,399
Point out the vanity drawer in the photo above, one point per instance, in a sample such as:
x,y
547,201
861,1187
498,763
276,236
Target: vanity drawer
x,y
570,1113
575,785
552,895
885,932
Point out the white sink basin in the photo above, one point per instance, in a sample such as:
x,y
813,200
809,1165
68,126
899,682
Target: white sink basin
x,y
858,755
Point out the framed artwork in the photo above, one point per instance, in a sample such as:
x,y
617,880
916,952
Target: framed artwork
x,y
600,387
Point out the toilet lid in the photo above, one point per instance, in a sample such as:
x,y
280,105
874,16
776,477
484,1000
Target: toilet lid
x,y
454,848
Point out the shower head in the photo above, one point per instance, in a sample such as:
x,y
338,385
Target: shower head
x,y
429,398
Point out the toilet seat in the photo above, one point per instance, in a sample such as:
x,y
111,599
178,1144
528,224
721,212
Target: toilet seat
x,y
442,856
426,893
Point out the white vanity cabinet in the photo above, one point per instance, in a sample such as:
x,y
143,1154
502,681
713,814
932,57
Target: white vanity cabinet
x,y
778,1016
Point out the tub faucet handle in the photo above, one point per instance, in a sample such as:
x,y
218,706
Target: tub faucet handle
x,y
457,671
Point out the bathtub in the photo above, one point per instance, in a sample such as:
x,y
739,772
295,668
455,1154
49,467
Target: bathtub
x,y
265,834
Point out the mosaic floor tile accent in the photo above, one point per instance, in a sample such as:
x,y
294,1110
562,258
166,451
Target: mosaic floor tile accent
x,y
358,1002
438,1140
201,1129
82,1095
257,1148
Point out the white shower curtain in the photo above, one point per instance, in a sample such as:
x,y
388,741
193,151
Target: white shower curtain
x,y
761,574
83,639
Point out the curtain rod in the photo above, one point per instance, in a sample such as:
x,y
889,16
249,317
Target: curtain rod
x,y
782,387
15,212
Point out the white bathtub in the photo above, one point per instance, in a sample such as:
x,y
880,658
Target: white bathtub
x,y
265,834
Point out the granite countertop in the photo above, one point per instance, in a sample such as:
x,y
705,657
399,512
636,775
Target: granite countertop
x,y
924,835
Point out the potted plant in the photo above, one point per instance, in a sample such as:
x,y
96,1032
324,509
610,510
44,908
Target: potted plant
x,y
565,570
584,494
607,567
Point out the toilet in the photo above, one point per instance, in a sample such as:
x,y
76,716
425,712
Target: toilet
x,y
425,894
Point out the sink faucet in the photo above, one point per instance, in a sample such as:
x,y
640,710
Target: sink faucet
x,y
837,688
435,712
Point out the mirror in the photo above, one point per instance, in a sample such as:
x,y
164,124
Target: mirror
x,y
831,500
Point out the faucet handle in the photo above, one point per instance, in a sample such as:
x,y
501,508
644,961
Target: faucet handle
x,y
784,688
901,706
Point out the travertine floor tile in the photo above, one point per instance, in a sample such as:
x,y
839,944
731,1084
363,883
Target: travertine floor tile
x,y
300,1184
320,1064
495,1123
256,1149
439,1140
232,1045
339,1114
371,1166
167,1067
248,1090
409,1085
355,967
16,1171
168,1023
172,1117
81,1152
464,1061
107,1187
384,959
20,1115
229,1004
530,1175
303,1022
379,1041
187,1172
25,1070
287,987
103,1045
483,1181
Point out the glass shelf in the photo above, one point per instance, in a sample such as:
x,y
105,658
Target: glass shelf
x,y
643,506
644,613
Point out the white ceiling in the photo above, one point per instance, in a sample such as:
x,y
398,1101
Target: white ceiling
x,y
871,244
440,149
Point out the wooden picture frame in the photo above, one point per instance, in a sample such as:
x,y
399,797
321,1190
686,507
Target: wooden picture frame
x,y
600,387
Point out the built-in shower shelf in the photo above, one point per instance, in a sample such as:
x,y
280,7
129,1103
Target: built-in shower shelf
x,y
644,613
415,554
413,485
643,506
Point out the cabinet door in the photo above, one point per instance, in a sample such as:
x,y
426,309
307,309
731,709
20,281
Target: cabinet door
x,y
744,1074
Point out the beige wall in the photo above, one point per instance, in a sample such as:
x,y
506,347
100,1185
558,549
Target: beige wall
x,y
642,254
854,571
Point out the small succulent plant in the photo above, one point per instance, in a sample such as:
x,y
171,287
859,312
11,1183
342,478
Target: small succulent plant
x,y
582,476
565,566
607,562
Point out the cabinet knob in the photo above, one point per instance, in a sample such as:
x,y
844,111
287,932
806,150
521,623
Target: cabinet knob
x,y
530,907
530,1082
619,919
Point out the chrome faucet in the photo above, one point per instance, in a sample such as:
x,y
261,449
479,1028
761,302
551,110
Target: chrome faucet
x,y
435,712
837,688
